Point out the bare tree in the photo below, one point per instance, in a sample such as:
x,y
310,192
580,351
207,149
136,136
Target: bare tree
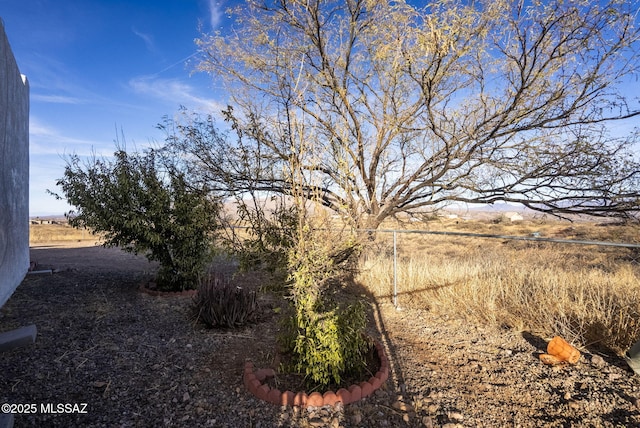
x,y
384,107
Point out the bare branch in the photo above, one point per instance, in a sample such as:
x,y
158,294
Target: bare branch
x,y
388,107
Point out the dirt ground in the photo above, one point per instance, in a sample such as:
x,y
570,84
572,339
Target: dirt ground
x,y
133,360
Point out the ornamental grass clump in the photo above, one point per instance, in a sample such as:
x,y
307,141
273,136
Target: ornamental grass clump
x,y
219,303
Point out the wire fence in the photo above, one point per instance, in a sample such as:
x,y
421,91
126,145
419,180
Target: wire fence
x,y
532,238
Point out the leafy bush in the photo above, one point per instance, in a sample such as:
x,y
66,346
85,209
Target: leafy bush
x,y
327,340
328,345
220,304
143,206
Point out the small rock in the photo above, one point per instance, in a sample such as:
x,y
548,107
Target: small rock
x,y
456,416
356,417
405,418
317,422
433,408
427,422
475,367
598,362
575,405
614,376
403,407
380,393
567,396
185,397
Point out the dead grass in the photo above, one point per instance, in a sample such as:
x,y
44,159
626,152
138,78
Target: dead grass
x,y
43,234
588,294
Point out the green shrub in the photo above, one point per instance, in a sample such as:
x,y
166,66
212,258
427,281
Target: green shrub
x,y
144,206
329,345
326,340
218,303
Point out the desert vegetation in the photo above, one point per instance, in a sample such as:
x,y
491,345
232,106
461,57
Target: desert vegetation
x,y
219,303
589,294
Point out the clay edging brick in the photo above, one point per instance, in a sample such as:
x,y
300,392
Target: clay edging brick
x,y
253,382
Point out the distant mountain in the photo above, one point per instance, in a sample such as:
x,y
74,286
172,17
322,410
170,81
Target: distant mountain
x,y
59,217
500,207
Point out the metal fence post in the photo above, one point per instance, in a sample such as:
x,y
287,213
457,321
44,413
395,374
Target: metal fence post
x,y
395,270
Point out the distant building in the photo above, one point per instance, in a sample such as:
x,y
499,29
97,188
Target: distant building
x,y
40,221
513,216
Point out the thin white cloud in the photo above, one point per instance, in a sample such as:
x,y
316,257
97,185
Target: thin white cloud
x,y
147,39
56,99
47,140
174,92
216,11
52,81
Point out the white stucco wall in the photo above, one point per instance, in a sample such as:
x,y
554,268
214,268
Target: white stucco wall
x,y
14,171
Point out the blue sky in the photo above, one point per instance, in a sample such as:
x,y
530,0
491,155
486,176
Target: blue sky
x,y
98,67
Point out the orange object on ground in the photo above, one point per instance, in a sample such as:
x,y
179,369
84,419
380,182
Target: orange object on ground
x,y
559,351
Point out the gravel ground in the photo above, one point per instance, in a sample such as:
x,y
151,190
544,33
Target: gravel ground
x,y
137,360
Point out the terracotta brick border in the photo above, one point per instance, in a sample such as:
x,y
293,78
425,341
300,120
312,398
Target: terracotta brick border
x,y
254,382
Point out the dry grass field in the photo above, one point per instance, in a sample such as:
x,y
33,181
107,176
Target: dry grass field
x,y
59,233
588,294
